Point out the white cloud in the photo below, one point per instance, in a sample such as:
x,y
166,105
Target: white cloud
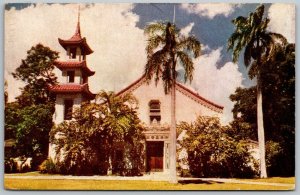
x,y
282,20
210,10
110,29
217,84
187,30
13,86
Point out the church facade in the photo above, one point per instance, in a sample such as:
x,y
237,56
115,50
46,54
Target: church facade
x,y
155,112
154,105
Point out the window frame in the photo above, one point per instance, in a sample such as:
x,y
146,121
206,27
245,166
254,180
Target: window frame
x,y
154,111
68,109
73,52
71,77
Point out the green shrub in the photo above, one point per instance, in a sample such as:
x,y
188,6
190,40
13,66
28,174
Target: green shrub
x,y
48,166
275,159
10,166
212,152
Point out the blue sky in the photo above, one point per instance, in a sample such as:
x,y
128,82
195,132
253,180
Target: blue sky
x,y
115,33
211,32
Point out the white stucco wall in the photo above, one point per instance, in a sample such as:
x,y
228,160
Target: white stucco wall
x,y
144,94
62,76
187,109
58,116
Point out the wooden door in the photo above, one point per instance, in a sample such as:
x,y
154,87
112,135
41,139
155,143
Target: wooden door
x,y
155,156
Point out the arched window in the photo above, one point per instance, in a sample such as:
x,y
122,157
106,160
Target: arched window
x,y
154,108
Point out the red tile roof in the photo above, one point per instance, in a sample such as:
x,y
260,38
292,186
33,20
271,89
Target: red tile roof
x,y
179,87
74,64
72,88
75,40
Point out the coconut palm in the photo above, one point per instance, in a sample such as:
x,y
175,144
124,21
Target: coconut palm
x,y
251,34
166,48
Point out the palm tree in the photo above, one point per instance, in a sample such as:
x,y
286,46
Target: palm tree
x,y
251,34
166,48
96,132
118,115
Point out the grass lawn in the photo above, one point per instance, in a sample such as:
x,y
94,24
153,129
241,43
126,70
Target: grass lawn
x,y
35,184
75,184
286,180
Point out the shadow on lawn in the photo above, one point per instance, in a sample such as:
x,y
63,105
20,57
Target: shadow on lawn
x,y
197,181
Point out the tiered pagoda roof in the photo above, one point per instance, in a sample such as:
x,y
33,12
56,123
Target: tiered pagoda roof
x,y
73,88
74,64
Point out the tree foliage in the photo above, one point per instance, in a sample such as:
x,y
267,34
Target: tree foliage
x,y
166,49
244,125
28,120
279,89
212,152
279,108
101,134
279,92
36,71
251,34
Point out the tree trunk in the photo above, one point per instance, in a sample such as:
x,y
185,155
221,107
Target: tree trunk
x,y
173,172
261,131
109,169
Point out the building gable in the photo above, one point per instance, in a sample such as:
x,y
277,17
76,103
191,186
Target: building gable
x,y
189,104
179,87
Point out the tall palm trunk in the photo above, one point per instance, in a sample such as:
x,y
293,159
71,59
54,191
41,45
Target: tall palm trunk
x,y
173,173
261,131
109,168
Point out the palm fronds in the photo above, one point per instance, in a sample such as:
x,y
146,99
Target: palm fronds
x,y
165,47
251,34
154,28
190,43
153,43
187,64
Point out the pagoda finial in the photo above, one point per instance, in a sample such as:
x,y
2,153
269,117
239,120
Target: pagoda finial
x,y
77,32
78,13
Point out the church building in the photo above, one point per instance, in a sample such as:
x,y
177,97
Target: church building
x,y
154,105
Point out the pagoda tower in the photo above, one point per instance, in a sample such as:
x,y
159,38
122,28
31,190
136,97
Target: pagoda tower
x,y
73,89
